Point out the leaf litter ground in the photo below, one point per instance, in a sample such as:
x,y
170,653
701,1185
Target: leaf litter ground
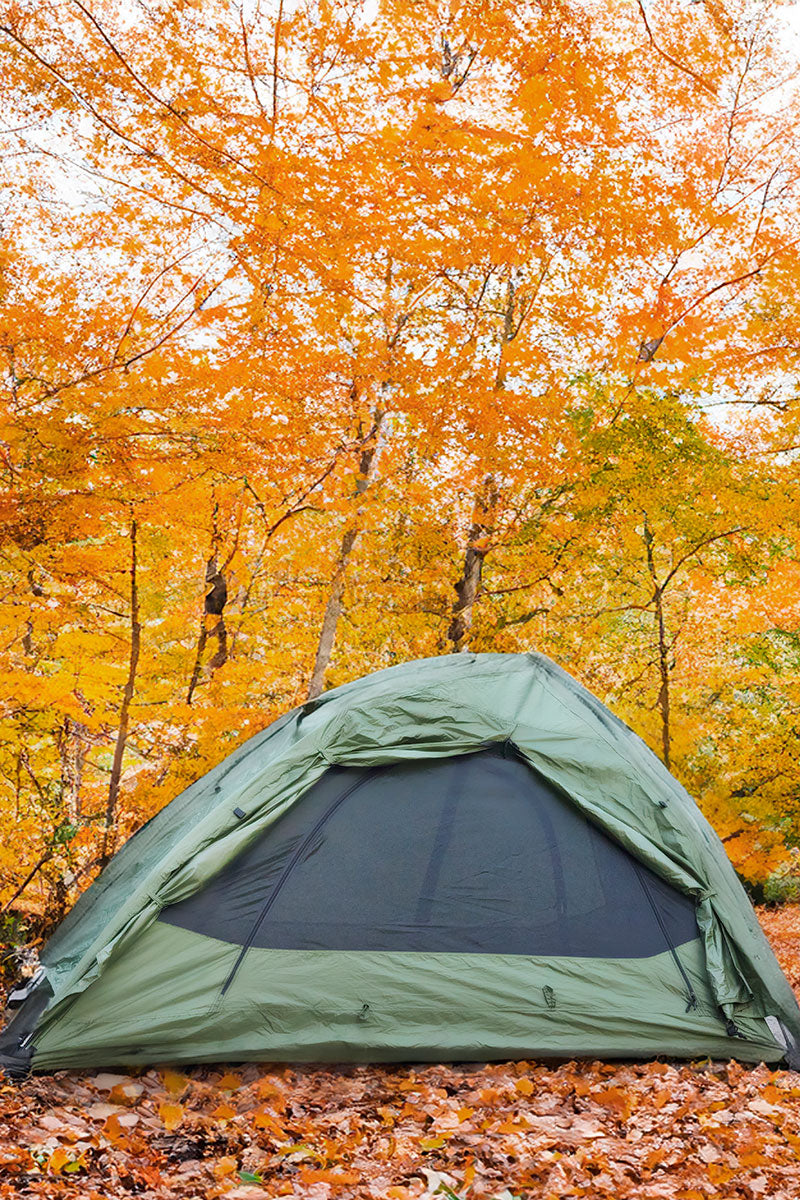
x,y
654,1131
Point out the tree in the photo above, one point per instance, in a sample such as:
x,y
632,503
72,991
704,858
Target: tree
x,y
378,332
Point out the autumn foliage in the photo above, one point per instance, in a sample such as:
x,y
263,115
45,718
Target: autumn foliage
x,y
338,334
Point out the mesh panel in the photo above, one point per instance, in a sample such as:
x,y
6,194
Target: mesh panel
x,y
475,853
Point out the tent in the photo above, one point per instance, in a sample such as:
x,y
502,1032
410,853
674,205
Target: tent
x,y
460,858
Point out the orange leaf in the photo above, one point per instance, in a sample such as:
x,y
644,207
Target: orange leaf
x,y
512,1126
125,1093
616,1101
265,1120
58,1159
225,1166
342,1178
112,1130
753,1158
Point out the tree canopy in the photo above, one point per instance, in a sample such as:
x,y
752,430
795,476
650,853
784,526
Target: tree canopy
x,y
336,334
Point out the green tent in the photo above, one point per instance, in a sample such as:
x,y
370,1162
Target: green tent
x,y
460,858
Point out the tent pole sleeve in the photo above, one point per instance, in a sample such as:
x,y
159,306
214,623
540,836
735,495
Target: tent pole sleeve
x,y
690,992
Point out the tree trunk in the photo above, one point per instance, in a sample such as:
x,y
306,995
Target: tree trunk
x,y
333,608
663,692
662,702
27,640
124,713
469,585
72,749
212,624
202,638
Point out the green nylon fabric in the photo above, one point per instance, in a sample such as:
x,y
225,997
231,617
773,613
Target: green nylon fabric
x,y
450,705
162,1001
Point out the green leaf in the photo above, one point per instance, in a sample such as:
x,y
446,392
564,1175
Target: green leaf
x,y
64,833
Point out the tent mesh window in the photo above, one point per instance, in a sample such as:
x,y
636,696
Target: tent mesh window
x,y
476,853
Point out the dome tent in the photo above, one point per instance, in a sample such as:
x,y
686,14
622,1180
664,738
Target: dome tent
x,y
464,857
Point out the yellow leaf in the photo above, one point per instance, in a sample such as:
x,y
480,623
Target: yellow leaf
x,y
229,1083
524,1085
223,1112
171,1115
301,1149
174,1082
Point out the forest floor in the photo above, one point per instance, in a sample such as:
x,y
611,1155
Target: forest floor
x,y
654,1131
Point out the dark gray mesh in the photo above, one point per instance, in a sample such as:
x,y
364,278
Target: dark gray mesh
x,y
476,853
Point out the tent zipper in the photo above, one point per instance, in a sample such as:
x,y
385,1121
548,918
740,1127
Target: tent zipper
x,y
292,863
690,992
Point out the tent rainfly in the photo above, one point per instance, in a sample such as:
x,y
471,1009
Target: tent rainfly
x,y
461,858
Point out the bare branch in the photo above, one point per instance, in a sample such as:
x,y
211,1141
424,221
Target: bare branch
x,y
673,61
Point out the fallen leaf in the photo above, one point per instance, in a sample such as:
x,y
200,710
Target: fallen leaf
x,y
58,1160
105,1082
223,1112
125,1093
229,1083
100,1111
615,1100
171,1115
174,1082
432,1143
